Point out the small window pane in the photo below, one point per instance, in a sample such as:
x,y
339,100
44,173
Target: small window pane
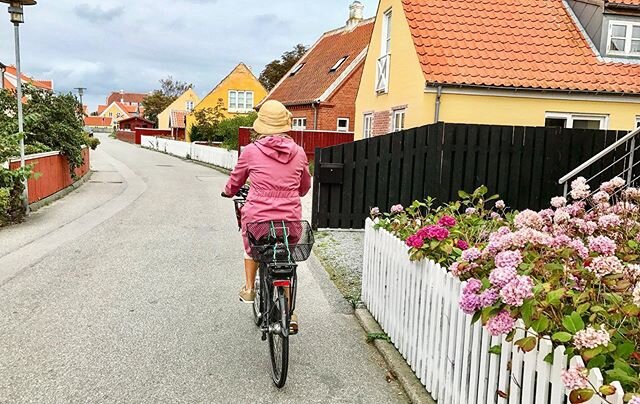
x,y
233,100
249,99
636,32
241,99
617,45
555,123
635,46
586,124
619,31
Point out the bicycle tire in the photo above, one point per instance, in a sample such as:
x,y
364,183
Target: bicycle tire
x,y
279,342
257,302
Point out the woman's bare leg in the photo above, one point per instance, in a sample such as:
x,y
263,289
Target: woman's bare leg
x,y
250,270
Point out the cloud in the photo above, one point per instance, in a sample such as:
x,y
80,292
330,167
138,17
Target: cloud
x,y
96,13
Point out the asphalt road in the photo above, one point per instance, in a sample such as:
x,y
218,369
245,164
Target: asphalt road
x,y
126,292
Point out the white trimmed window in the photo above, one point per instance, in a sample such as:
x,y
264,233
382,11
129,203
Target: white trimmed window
x,y
240,101
338,64
576,121
299,123
398,119
343,125
383,64
189,106
638,121
624,38
368,126
296,69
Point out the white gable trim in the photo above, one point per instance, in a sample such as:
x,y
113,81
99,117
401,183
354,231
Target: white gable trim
x,y
344,75
117,106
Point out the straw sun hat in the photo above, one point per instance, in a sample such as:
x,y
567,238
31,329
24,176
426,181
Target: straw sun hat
x,y
273,118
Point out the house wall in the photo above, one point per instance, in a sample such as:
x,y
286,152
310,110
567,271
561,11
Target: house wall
x,y
406,80
114,112
178,105
240,79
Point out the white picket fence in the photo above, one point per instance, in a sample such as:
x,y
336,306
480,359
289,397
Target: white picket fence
x,y
210,155
416,304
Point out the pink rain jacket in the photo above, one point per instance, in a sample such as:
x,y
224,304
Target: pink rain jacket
x,y
278,171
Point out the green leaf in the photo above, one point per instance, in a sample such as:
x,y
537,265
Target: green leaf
x,y
553,297
583,308
621,376
562,336
624,366
527,344
527,311
476,317
580,396
549,358
496,349
625,350
573,323
462,194
540,325
607,390
589,354
632,244
597,362
597,309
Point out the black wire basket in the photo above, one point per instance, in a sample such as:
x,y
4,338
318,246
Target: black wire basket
x,y
280,241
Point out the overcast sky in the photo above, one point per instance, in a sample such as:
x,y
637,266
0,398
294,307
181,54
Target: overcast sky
x,y
111,45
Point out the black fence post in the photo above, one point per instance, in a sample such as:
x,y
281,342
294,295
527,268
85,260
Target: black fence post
x,y
316,188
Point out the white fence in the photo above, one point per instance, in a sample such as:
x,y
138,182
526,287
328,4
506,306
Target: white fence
x,y
416,304
210,155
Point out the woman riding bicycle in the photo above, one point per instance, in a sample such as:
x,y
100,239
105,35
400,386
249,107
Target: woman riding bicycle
x,y
278,171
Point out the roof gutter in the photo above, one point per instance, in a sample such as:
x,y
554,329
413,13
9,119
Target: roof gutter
x,y
525,89
622,7
436,118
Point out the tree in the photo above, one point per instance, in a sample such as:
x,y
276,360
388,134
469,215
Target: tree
x,y
276,70
228,129
160,99
207,123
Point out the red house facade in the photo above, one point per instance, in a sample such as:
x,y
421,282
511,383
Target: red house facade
x,y
135,122
321,89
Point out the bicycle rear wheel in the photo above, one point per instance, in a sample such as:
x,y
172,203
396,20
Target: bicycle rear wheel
x,y
279,338
257,302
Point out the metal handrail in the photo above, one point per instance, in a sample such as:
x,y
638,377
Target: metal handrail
x,y
598,156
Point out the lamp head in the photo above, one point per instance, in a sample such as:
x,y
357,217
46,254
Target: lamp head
x,y
16,9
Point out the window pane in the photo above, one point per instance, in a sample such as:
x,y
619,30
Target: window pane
x,y
617,45
586,124
619,31
249,100
241,99
555,123
636,32
233,100
635,46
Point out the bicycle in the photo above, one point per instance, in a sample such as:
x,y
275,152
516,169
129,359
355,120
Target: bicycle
x,y
277,246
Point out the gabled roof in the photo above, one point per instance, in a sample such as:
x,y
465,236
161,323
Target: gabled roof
x,y
10,80
312,82
118,96
101,109
241,66
178,119
128,110
533,44
97,121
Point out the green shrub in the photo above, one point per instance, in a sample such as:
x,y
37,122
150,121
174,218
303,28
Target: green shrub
x,y
228,129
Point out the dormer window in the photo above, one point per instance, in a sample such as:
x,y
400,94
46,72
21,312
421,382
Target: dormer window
x,y
296,69
337,65
624,38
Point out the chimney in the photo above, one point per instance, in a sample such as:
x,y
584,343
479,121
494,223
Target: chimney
x,y
355,14
121,95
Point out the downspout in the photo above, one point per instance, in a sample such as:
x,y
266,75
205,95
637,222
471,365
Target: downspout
x,y
315,114
436,118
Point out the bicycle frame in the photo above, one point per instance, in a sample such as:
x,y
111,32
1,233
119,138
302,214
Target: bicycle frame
x,y
268,282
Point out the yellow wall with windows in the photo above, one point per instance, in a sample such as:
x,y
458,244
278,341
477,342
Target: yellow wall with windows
x,y
407,88
240,79
114,112
179,104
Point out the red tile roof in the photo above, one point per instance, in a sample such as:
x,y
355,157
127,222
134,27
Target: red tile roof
x,y
10,80
510,43
129,109
624,2
179,119
310,82
101,109
135,98
97,121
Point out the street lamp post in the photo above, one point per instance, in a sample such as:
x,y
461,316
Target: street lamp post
x,y
81,93
17,18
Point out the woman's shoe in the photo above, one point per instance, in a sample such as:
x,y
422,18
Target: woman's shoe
x,y
247,295
293,324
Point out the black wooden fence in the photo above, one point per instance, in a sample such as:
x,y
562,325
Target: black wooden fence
x,y
522,164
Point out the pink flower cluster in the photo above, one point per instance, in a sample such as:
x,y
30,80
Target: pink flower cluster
x,y
634,400
580,189
414,241
529,219
636,295
509,259
503,323
500,276
447,221
602,245
463,245
611,186
602,266
558,202
575,378
472,300
591,338
433,232
517,290
500,204
609,221
395,209
471,254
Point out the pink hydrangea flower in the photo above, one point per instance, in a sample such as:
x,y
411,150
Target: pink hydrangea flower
x,y
500,276
432,232
609,221
502,323
529,219
518,289
473,286
636,295
447,221
602,245
470,303
631,193
580,189
397,209
463,245
471,254
500,204
575,378
489,297
561,216
591,338
580,248
508,259
600,197
634,400
558,201
415,241
602,266
611,186
375,212
470,211
586,227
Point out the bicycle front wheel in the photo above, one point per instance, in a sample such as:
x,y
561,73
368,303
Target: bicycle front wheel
x,y
279,338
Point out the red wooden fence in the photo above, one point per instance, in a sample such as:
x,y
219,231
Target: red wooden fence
x,y
151,132
54,173
307,139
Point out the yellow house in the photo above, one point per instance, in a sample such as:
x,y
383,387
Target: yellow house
x,y
186,102
240,91
118,111
476,61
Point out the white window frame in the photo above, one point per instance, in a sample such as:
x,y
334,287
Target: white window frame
x,y
238,108
346,129
367,127
299,123
638,121
570,117
189,106
396,113
338,64
384,61
627,39
296,69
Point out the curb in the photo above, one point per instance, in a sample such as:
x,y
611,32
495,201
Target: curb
x,y
407,379
200,163
60,194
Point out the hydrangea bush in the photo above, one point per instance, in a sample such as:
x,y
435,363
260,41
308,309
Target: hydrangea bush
x,y
570,272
